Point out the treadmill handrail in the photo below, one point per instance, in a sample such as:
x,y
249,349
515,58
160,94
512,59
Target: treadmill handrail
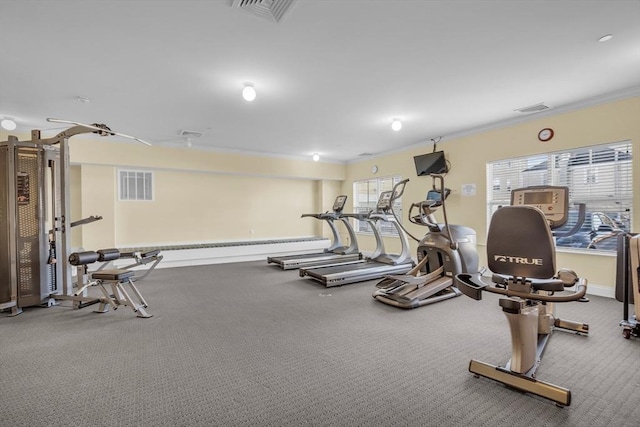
x,y
353,240
398,193
359,216
337,240
380,255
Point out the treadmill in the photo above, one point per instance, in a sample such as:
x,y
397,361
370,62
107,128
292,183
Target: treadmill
x,y
335,253
378,264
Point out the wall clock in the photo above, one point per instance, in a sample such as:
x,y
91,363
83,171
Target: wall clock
x,y
545,134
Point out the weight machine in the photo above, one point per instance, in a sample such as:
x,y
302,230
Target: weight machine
x,y
628,282
35,225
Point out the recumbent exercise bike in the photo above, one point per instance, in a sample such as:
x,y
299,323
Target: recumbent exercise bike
x,y
521,255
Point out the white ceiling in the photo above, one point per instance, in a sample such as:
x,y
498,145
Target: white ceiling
x,y
330,76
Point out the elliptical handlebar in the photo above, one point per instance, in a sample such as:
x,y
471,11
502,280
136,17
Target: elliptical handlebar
x,y
423,207
472,286
397,193
452,244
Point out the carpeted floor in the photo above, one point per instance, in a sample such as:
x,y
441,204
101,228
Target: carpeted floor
x,y
250,345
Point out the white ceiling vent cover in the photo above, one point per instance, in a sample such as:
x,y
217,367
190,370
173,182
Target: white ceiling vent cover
x,y
190,134
533,108
273,10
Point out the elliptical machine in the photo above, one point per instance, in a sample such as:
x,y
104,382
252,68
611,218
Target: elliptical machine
x,y
446,250
521,255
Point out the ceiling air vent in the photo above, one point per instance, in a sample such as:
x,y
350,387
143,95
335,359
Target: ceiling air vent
x,y
273,10
190,134
533,108
365,154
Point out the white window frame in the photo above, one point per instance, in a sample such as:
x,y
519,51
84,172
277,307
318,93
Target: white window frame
x,y
601,176
142,187
366,201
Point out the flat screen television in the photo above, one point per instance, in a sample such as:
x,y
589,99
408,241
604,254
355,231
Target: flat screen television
x,y
426,164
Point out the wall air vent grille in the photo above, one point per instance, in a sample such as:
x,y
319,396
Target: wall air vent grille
x,y
273,10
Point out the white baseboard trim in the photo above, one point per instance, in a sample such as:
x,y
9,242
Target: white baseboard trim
x,y
240,253
258,252
601,291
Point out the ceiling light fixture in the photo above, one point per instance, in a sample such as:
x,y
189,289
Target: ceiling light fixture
x,y
605,38
249,92
8,124
396,125
315,157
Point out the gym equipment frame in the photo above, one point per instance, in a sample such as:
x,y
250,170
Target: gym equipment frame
x,y
335,253
444,251
521,255
35,218
628,282
379,263
116,278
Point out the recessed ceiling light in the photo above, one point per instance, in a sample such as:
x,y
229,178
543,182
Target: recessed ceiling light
x,y
396,125
605,38
249,92
315,157
8,124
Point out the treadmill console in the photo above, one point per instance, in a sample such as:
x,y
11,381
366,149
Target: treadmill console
x,y
552,201
338,205
384,201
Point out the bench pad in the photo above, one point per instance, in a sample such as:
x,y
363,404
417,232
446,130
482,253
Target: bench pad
x,y
112,275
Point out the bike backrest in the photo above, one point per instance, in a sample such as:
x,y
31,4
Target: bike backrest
x,y
520,244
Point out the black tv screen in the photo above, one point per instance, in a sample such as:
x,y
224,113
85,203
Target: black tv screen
x,y
426,164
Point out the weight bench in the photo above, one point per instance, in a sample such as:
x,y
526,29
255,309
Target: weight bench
x,y
107,256
117,279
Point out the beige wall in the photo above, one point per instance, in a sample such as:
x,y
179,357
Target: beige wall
x,y
105,151
98,193
610,122
75,191
205,207
198,196
268,195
